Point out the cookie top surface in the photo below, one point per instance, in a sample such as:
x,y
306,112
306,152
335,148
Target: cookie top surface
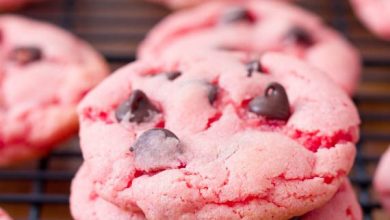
x,y
86,204
375,15
382,180
44,73
278,143
255,27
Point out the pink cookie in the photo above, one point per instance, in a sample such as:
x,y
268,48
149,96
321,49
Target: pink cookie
x,y
86,204
255,27
382,180
9,5
44,73
343,206
4,215
175,4
226,149
375,15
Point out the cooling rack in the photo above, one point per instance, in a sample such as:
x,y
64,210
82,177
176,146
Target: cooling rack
x,y
40,190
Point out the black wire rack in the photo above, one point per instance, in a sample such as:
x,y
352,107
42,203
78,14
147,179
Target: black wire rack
x,y
40,189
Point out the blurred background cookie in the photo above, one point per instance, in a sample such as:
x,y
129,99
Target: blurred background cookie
x,y
382,180
255,27
44,73
375,15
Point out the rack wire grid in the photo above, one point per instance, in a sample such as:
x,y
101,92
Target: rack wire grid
x,y
40,189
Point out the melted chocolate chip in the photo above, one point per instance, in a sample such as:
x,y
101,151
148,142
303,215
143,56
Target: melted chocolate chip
x,y
253,66
157,149
25,55
298,35
213,93
137,108
273,105
236,14
173,75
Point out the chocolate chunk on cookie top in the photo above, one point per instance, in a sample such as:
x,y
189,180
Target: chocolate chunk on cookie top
x,y
213,93
273,105
173,75
137,108
24,55
253,67
300,36
157,149
236,14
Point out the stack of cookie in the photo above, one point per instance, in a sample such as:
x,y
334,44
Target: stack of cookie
x,y
235,110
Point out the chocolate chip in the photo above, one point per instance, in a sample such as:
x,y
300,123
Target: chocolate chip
x,y
273,105
253,66
25,55
236,14
157,149
295,218
298,35
173,75
229,48
137,108
213,93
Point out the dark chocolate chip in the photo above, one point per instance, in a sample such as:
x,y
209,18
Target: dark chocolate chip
x,y
236,14
137,108
156,149
229,48
173,75
25,55
295,218
213,93
253,66
298,35
273,105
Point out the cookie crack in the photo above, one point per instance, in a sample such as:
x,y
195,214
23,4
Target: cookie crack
x,y
94,114
314,140
311,140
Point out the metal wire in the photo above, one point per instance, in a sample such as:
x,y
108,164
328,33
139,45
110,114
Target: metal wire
x,y
42,174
